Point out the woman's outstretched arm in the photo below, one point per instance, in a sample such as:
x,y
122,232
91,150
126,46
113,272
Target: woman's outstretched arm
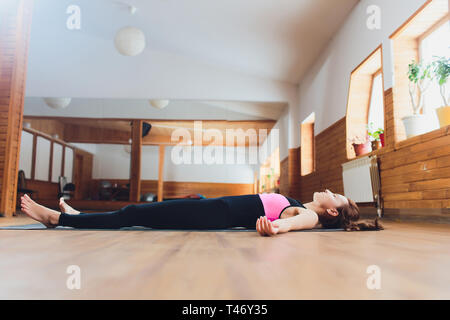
x,y
306,219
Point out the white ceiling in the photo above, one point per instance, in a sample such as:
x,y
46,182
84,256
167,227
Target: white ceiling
x,y
227,53
275,39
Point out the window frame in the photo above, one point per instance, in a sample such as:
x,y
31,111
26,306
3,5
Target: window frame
x,y
376,74
374,63
405,48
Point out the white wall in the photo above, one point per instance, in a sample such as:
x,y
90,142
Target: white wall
x,y
26,153
325,87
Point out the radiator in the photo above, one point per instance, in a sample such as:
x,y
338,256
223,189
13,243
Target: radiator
x,y
362,181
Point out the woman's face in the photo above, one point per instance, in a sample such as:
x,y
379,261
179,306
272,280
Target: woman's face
x,y
329,200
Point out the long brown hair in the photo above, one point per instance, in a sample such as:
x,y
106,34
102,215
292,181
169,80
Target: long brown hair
x,y
348,219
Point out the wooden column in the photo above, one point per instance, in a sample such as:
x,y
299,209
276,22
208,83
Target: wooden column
x,y
161,172
15,22
135,162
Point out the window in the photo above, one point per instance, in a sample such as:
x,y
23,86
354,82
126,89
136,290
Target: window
x,y
422,36
26,153
57,161
270,173
42,159
376,108
307,151
433,45
365,103
68,164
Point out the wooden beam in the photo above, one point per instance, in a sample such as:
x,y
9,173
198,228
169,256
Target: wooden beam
x,y
161,172
135,161
117,131
15,23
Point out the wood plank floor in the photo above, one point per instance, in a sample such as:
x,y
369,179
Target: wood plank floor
x,y
414,260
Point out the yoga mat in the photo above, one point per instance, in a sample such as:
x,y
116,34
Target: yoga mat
x,y
39,226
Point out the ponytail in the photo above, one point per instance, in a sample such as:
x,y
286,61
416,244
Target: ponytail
x,y
363,226
347,219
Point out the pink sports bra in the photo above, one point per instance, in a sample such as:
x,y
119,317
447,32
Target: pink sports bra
x,y
274,204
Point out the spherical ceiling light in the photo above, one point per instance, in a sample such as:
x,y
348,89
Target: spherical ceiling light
x,y
159,104
130,41
57,103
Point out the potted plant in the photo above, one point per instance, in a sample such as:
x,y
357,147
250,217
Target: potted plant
x,y
420,77
361,145
375,136
442,73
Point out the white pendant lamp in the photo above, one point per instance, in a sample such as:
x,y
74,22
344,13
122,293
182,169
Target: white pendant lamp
x,y
130,41
159,104
57,103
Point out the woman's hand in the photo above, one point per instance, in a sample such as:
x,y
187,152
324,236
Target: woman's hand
x,y
265,227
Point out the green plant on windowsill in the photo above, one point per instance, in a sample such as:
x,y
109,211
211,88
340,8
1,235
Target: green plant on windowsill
x,y
375,136
420,76
441,69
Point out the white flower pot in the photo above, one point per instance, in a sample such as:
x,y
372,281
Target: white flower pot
x,y
417,124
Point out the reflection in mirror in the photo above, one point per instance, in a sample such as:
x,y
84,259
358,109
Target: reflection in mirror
x,y
118,151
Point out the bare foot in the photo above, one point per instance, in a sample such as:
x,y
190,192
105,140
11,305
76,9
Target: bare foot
x,y
66,208
46,216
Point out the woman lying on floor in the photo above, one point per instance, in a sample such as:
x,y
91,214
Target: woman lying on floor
x,y
268,213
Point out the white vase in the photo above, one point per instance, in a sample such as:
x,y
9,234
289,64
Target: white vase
x,y
417,124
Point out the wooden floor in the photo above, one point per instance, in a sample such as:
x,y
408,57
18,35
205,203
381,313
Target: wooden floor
x,y
414,260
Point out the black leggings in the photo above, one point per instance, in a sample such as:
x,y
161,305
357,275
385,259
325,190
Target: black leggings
x,y
214,213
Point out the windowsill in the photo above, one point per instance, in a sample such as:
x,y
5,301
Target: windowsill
x,y
374,152
308,174
444,131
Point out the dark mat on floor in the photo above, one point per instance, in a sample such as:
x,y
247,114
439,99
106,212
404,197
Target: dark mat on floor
x,y
39,226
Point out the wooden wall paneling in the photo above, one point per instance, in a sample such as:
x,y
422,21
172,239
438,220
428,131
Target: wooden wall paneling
x,y
174,189
117,131
15,22
414,174
48,126
47,190
284,176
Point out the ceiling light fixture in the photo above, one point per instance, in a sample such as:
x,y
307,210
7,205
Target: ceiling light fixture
x,y
159,104
57,103
130,41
